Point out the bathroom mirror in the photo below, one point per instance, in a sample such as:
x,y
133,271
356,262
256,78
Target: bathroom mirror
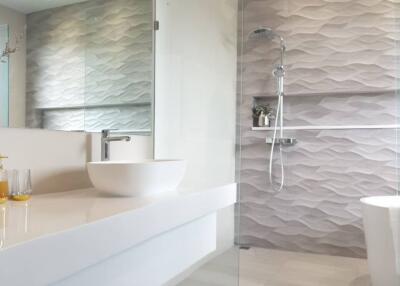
x,y
76,65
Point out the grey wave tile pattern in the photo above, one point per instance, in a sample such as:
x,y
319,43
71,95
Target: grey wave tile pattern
x,y
327,173
94,119
93,53
71,120
346,109
341,61
349,45
119,52
134,119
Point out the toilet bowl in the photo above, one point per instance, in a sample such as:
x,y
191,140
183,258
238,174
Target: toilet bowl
x,y
382,231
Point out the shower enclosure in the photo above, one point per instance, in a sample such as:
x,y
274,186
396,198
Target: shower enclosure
x,y
341,76
339,99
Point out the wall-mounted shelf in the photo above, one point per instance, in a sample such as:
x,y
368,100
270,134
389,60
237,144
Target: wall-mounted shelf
x,y
91,106
338,93
142,132
330,127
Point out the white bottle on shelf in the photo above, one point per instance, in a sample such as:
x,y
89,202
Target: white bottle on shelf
x,y
261,119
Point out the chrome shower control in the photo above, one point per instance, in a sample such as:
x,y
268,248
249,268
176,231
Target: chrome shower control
x,y
285,141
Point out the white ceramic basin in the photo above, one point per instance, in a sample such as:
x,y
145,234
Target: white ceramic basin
x,y
132,179
382,231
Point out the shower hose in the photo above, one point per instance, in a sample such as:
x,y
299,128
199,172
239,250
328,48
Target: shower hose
x,y
279,117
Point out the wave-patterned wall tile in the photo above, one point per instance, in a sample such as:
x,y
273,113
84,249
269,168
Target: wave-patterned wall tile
x,y
94,119
327,173
119,52
349,45
63,120
338,109
124,118
341,70
91,53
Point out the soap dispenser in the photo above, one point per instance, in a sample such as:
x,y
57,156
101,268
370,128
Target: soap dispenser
x,y
3,182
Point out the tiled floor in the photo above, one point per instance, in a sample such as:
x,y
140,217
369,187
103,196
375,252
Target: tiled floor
x,y
264,267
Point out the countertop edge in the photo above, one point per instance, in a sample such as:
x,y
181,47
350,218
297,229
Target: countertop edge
x,y
114,234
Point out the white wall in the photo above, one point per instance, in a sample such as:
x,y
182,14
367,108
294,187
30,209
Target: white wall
x,y
57,159
16,22
196,87
138,149
195,101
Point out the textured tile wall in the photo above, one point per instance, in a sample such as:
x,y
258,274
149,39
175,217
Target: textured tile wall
x,y
327,173
347,45
341,70
93,53
346,109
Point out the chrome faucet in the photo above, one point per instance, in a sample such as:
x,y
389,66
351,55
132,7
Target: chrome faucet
x,y
105,143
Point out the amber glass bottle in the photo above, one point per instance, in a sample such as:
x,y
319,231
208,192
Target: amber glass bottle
x,y
3,182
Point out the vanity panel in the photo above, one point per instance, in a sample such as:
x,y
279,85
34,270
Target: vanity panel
x,y
70,231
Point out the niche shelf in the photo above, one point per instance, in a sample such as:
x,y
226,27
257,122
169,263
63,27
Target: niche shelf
x,y
337,93
91,106
330,127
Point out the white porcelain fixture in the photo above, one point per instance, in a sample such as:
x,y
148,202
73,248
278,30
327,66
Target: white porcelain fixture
x,y
109,241
132,179
382,231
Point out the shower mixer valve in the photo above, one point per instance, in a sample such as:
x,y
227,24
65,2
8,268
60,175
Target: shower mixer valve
x,y
285,141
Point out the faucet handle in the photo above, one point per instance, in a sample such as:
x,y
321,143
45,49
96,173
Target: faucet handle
x,y
106,132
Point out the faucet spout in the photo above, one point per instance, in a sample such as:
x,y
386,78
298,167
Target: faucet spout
x,y
118,138
106,139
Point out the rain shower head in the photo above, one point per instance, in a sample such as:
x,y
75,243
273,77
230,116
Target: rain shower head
x,y
262,33
266,33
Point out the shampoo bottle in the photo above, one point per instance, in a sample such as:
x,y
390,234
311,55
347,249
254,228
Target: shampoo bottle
x,y
3,182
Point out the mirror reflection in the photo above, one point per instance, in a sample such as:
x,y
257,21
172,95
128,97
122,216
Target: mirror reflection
x,y
82,66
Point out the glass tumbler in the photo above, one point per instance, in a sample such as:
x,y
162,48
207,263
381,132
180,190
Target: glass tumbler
x,y
20,186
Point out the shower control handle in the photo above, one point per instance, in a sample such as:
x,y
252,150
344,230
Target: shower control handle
x,y
285,141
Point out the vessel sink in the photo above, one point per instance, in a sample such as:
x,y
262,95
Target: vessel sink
x,y
133,179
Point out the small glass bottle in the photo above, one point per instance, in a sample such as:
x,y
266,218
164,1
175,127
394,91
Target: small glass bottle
x,y
3,182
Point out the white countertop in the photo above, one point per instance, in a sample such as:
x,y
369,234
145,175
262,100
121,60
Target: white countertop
x,y
52,213
49,226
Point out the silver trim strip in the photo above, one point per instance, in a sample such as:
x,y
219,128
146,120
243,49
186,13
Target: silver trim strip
x,y
330,127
